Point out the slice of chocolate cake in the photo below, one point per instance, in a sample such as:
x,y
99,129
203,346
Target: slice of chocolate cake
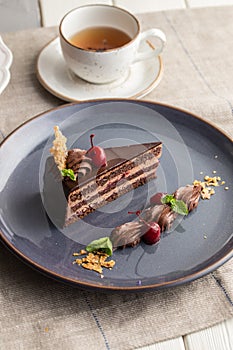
x,y
93,178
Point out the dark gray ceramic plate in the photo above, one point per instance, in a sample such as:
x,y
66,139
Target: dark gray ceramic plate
x,y
192,148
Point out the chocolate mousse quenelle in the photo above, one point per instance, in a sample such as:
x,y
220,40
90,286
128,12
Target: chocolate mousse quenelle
x,y
158,217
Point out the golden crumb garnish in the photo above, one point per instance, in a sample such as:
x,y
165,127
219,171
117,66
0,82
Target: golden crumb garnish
x,y
209,182
59,149
212,191
197,182
94,261
205,193
226,188
82,252
78,261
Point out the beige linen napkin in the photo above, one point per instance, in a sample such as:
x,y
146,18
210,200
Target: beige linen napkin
x,y
39,313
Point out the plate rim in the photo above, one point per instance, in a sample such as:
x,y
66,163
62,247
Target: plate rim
x,y
90,285
162,104
64,97
82,284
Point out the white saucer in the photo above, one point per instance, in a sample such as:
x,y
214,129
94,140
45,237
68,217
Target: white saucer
x,y
6,58
53,74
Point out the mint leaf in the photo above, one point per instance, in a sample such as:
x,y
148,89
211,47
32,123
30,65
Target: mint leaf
x,y
104,244
177,205
69,173
167,199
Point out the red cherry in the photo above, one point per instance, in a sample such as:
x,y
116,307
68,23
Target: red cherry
x,y
152,236
156,198
96,154
153,233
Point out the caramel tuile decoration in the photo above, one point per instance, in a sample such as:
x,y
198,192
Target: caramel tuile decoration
x,y
59,149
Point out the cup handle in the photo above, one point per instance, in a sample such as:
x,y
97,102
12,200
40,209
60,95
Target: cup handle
x,y
154,32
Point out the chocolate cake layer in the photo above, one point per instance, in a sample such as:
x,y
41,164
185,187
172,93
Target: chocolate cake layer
x,y
128,167
74,213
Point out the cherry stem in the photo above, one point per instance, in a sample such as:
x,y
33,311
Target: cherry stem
x,y
91,138
138,212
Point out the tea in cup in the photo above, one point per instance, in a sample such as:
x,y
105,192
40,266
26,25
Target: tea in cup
x,y
100,42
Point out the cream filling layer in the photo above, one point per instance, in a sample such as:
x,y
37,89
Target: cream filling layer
x,y
122,188
90,193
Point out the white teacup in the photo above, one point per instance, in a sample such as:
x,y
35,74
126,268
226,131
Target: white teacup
x,y
108,60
